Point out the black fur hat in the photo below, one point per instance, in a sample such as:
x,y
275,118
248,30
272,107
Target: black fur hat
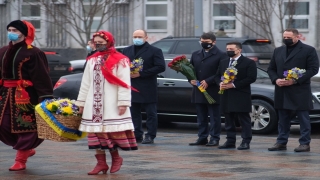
x,y
22,27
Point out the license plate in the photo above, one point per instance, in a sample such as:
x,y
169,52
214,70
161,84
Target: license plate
x,y
60,68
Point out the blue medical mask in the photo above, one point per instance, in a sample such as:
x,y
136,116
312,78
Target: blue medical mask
x,y
138,41
13,36
89,48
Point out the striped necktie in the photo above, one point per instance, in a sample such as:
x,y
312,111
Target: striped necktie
x,y
231,61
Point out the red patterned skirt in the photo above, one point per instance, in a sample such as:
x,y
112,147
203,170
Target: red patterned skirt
x,y
124,140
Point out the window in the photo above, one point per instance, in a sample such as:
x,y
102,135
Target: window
x,y
156,15
296,15
187,47
31,11
224,16
165,46
92,10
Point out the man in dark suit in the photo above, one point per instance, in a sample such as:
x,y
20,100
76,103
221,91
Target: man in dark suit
x,y
146,83
293,96
206,62
91,48
235,102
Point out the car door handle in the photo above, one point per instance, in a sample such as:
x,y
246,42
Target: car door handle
x,y
169,84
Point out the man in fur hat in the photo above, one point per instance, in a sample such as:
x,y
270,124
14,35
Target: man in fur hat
x,y
24,82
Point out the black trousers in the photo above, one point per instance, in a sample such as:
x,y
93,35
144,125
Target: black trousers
x,y
245,121
151,122
203,110
285,122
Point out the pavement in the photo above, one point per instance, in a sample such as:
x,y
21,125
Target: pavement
x,y
170,158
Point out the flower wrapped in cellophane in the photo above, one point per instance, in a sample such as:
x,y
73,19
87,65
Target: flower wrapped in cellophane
x,y
136,65
229,75
181,64
294,73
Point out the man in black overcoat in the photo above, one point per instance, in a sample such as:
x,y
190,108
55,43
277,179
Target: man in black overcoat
x,y
293,96
235,102
146,83
206,62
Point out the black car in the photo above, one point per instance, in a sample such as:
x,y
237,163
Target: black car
x,y
58,66
174,98
259,50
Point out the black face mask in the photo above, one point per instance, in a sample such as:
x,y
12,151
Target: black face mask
x,y
206,45
287,42
231,53
101,47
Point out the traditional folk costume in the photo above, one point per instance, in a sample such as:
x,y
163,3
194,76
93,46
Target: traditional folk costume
x,y
105,86
21,89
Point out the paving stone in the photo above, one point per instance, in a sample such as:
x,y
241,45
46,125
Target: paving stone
x,y
170,158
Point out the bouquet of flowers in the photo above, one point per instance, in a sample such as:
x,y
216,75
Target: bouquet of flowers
x,y
229,75
65,107
58,120
136,65
294,73
182,65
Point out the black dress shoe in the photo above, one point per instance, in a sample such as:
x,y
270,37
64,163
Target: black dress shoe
x,y
139,140
199,142
213,143
227,145
147,140
278,147
244,146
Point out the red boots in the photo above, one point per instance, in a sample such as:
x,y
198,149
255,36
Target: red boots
x,y
116,161
21,159
101,165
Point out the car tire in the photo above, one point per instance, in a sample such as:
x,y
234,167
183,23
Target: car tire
x,y
263,117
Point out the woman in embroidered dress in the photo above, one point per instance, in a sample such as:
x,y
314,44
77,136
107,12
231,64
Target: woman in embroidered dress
x,y
104,100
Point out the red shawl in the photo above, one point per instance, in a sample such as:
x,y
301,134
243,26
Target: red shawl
x,y
111,57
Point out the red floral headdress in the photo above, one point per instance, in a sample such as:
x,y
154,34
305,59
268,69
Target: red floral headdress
x,y
111,58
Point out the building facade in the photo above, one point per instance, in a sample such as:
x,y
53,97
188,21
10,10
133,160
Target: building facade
x,y
160,18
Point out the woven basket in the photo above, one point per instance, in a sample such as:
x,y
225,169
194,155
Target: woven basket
x,y
46,132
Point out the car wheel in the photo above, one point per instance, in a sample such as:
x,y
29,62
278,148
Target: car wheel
x,y
263,117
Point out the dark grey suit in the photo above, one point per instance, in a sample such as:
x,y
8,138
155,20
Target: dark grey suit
x,y
206,65
146,84
235,103
296,98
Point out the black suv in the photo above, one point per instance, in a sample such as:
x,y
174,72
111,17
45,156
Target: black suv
x,y
259,50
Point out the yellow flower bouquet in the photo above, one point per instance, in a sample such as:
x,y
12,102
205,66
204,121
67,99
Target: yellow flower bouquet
x,y
58,120
294,73
136,65
228,76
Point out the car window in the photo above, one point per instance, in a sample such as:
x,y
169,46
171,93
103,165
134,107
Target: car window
x,y
261,74
187,47
222,44
165,46
257,47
